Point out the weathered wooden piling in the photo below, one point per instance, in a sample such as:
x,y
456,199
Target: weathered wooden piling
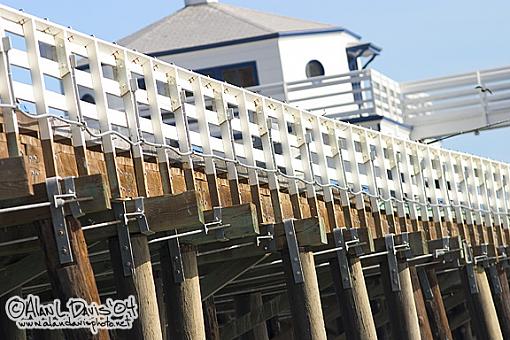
x,y
140,284
435,306
357,317
250,303
480,303
498,280
421,310
212,329
72,280
182,298
304,297
402,308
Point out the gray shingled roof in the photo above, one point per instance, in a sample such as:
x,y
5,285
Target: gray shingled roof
x,y
212,23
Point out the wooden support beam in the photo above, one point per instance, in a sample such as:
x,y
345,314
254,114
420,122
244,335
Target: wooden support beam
x,y
222,276
158,283
353,301
435,307
14,181
20,272
481,305
71,280
164,213
212,329
8,328
182,299
141,285
239,221
501,295
304,298
401,305
421,310
247,321
309,232
92,188
247,304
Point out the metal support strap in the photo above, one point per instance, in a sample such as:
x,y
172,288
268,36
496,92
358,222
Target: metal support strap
x,y
174,248
343,261
292,244
425,284
391,256
470,269
121,215
494,279
126,252
62,241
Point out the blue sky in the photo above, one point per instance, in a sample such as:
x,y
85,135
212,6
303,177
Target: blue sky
x,y
420,39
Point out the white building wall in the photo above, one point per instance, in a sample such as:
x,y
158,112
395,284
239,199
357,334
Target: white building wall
x,y
330,50
265,53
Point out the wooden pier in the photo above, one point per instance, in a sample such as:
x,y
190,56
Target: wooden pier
x,y
229,215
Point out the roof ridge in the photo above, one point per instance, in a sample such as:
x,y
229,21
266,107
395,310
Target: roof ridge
x,y
218,6
156,23
286,17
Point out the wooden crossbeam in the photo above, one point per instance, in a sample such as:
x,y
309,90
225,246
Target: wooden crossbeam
x,y
239,221
14,181
245,323
309,232
91,188
21,272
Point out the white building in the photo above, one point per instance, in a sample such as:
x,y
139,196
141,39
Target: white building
x,y
318,67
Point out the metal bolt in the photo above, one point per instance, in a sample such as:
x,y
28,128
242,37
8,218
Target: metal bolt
x,y
64,250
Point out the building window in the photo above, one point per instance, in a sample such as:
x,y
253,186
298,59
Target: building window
x,y
314,69
243,74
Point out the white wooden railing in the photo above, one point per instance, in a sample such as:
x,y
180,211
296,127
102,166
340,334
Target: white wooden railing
x,y
447,105
432,108
344,96
188,118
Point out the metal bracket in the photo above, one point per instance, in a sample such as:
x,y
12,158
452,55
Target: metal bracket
x,y
292,244
470,269
483,257
355,242
70,191
139,215
58,218
407,245
174,248
341,254
216,225
391,256
425,284
444,247
494,279
268,240
119,210
126,252
504,258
